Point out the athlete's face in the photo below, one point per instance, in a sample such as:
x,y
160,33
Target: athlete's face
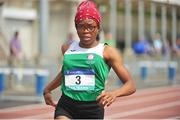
x,y
87,31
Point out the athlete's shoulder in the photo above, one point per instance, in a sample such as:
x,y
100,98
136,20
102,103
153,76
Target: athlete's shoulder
x,y
110,52
66,46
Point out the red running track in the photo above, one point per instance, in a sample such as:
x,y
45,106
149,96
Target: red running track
x,y
153,103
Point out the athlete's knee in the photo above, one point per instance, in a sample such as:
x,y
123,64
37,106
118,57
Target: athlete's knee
x,y
62,118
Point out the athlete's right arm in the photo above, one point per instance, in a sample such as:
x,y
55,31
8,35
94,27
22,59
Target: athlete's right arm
x,y
54,84
51,86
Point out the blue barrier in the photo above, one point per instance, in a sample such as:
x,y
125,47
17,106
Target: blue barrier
x,y
172,72
2,79
41,79
144,65
144,73
3,73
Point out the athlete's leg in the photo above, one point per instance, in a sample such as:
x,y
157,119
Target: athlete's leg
x,y
62,118
63,109
62,113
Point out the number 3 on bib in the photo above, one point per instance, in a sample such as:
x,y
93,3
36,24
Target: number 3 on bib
x,y
80,80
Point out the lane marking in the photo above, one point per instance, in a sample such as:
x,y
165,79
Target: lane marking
x,y
40,116
173,118
140,92
152,91
143,110
24,108
129,102
125,102
145,99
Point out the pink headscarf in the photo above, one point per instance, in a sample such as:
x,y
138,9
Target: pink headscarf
x,y
87,9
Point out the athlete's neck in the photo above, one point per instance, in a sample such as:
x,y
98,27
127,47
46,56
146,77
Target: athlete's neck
x,y
94,44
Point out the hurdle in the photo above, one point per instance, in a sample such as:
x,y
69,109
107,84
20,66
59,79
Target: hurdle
x,y
41,76
171,67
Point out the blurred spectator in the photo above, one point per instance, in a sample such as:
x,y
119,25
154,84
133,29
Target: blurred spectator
x,y
178,43
166,50
142,47
157,43
16,53
109,40
121,43
70,38
177,48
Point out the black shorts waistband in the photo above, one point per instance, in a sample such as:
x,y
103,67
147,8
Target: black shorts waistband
x,y
67,98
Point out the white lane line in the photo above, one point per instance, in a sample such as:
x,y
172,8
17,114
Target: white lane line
x,y
144,99
39,116
157,89
142,92
121,101
42,105
24,107
143,110
157,97
173,118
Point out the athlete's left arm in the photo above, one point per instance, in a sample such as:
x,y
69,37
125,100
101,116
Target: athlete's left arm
x,y
115,61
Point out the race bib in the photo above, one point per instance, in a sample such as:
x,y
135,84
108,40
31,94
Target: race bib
x,y
80,80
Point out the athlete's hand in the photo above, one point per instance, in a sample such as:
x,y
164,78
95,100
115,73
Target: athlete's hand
x,y
48,99
105,99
